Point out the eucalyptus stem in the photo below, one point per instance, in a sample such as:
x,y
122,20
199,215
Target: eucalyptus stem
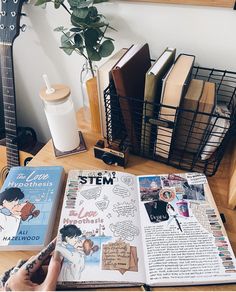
x,y
91,67
64,6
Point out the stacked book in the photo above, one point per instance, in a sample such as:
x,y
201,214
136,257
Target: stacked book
x,y
164,109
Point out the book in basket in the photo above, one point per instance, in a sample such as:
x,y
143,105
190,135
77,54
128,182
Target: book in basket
x,y
28,205
117,229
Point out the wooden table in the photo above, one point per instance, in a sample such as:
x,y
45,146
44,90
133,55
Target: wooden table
x,y
137,165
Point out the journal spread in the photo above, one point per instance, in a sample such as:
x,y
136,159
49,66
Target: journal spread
x,y
117,229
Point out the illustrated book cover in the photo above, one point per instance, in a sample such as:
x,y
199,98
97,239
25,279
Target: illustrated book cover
x,y
28,205
118,229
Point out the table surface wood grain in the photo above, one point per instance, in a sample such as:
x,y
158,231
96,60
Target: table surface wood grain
x,y
138,166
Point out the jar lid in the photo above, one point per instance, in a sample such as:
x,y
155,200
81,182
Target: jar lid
x,y
61,92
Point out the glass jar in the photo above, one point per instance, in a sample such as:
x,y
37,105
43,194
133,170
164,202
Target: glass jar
x,y
60,114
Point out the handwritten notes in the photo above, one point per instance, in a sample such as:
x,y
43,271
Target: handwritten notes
x,y
115,256
119,256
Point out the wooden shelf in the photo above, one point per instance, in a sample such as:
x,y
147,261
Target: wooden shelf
x,y
216,3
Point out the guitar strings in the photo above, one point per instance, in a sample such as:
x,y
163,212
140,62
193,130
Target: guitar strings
x,y
5,49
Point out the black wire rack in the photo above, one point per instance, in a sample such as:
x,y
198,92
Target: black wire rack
x,y
187,139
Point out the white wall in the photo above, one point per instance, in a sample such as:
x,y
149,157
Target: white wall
x,y
207,32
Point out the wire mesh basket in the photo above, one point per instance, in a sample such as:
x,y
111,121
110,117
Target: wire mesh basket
x,y
188,140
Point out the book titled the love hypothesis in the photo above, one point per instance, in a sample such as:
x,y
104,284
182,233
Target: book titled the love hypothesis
x,y
117,229
28,205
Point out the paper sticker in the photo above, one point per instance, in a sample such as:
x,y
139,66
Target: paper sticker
x,y
121,191
115,256
125,209
91,193
119,256
124,230
103,204
196,178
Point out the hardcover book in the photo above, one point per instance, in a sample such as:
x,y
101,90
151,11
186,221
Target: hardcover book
x,y
174,88
103,79
152,94
28,205
194,127
185,123
129,79
117,229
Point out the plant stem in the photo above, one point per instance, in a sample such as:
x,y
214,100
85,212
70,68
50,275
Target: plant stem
x,y
91,66
64,6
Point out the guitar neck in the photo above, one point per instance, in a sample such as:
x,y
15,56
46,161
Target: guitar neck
x,y
9,104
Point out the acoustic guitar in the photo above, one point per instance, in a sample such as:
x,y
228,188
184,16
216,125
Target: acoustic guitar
x,y
9,29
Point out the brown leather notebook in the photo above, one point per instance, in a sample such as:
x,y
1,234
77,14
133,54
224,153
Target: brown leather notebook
x,y
129,79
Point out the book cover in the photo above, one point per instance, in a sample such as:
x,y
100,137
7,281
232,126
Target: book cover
x,y
129,79
103,79
28,205
200,127
117,229
175,88
185,121
152,94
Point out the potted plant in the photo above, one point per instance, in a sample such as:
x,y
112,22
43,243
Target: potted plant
x,y
87,36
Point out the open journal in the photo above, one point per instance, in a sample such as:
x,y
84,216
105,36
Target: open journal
x,y
117,229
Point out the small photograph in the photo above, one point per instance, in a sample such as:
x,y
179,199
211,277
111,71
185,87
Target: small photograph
x,y
194,192
182,188
167,194
157,211
150,187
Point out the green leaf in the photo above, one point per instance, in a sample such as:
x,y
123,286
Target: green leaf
x,y
78,22
93,55
65,38
78,40
60,28
67,50
75,29
57,3
106,48
80,12
91,37
41,2
93,12
108,38
99,1
83,4
73,3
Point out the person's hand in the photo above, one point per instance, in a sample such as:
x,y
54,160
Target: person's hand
x,y
21,278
